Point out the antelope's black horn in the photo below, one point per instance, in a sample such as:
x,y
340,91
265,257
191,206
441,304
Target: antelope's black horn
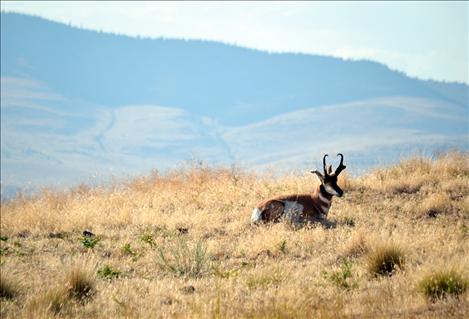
x,y
341,158
324,164
341,166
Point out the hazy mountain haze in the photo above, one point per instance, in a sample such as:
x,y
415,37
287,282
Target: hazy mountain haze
x,y
77,103
425,39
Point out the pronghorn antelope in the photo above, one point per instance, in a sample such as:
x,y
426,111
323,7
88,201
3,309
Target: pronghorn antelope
x,y
300,209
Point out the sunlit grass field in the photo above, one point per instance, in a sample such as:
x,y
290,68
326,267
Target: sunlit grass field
x,y
181,245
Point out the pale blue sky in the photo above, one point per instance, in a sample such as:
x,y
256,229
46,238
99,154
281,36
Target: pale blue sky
x,y
423,39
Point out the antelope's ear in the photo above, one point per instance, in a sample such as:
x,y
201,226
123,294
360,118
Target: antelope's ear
x,y
329,170
319,175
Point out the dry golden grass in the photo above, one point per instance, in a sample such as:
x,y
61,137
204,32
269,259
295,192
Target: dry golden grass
x,y
9,288
356,247
54,301
182,246
385,260
80,282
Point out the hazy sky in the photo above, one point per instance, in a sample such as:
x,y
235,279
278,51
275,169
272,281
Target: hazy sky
x,y
423,39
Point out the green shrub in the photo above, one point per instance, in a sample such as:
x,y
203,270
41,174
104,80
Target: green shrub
x,y
442,284
107,272
90,242
148,238
129,251
182,260
4,251
283,246
343,277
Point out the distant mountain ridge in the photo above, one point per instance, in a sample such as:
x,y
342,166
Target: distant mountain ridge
x,y
82,102
232,84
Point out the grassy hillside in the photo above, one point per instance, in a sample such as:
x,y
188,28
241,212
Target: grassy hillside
x,y
181,245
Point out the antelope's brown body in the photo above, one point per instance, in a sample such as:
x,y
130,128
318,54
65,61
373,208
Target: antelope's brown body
x,y
297,209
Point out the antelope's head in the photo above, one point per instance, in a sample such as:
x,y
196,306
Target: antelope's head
x,y
329,178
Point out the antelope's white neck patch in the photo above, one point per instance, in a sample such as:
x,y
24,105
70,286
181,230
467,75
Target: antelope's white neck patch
x,y
324,200
325,209
330,190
